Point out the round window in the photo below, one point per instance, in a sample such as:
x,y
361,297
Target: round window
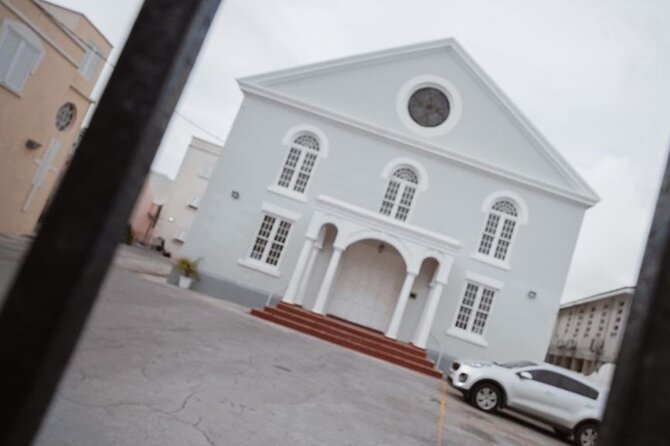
x,y
65,116
428,107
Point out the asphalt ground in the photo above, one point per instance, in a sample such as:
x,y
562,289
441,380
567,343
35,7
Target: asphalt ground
x,y
159,365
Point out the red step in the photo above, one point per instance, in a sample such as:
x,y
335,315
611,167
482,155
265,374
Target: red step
x,y
351,336
325,324
335,322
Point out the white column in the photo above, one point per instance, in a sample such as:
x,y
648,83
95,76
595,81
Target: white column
x,y
324,291
309,269
298,272
400,306
428,315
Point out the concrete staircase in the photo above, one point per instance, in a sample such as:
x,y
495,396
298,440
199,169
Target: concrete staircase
x,y
349,335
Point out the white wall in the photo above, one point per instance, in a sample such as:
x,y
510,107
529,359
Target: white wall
x,y
176,215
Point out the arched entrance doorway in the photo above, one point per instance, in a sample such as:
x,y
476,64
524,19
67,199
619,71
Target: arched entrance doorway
x,y
370,276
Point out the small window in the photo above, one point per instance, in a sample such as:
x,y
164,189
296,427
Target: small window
x,y
65,116
90,61
299,163
499,230
20,54
400,192
475,308
270,240
546,377
574,386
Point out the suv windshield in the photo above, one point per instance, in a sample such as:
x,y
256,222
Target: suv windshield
x,y
515,364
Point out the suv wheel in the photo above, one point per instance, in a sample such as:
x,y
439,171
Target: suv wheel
x,y
486,397
587,434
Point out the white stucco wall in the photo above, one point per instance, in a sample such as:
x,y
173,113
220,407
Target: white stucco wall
x,y
177,216
519,326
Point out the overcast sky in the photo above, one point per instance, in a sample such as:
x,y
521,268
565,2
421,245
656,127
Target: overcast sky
x,y
593,76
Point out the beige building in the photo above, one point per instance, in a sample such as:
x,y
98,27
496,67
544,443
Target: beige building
x,y
148,207
178,212
50,60
589,331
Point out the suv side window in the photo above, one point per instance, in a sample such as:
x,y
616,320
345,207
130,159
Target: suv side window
x,y
575,386
546,377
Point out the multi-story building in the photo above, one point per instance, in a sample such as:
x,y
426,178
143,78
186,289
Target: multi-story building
x,y
50,60
588,331
179,209
401,191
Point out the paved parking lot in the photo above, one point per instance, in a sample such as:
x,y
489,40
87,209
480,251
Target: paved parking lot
x,y
163,366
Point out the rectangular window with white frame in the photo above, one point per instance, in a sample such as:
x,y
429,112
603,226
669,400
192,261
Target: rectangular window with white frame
x,y
475,308
90,61
270,240
20,53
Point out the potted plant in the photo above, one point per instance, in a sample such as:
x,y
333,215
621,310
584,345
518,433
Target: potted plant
x,y
188,271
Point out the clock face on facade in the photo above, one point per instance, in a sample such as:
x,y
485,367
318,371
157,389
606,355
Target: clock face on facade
x,y
428,107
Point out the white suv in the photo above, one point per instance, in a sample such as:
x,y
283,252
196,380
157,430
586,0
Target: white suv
x,y
559,397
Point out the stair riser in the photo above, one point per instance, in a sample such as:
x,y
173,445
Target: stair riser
x,y
421,368
350,325
389,347
310,328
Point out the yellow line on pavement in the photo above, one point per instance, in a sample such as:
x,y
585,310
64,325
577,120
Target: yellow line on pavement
x,y
443,406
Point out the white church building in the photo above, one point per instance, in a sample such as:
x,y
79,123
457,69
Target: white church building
x,y
401,191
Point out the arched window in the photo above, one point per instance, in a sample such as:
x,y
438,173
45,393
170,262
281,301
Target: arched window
x,y
499,230
399,194
300,160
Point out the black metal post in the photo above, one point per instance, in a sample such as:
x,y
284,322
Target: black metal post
x,y
638,410
51,297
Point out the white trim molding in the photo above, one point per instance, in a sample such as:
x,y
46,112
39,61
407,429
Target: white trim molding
x,y
259,266
488,202
425,237
296,130
439,83
399,162
577,191
293,195
287,214
467,337
484,280
502,264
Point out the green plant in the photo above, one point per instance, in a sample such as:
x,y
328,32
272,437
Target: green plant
x,y
188,267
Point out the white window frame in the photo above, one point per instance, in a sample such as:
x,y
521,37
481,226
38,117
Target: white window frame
x,y
403,185
520,220
287,141
466,333
92,55
27,37
280,214
290,189
434,81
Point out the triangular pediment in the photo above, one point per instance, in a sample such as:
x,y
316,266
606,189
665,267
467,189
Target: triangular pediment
x,y
489,132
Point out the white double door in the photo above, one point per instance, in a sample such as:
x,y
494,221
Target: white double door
x,y
368,285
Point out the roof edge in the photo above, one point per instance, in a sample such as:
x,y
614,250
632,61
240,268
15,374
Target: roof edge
x,y
386,134
599,296
264,81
